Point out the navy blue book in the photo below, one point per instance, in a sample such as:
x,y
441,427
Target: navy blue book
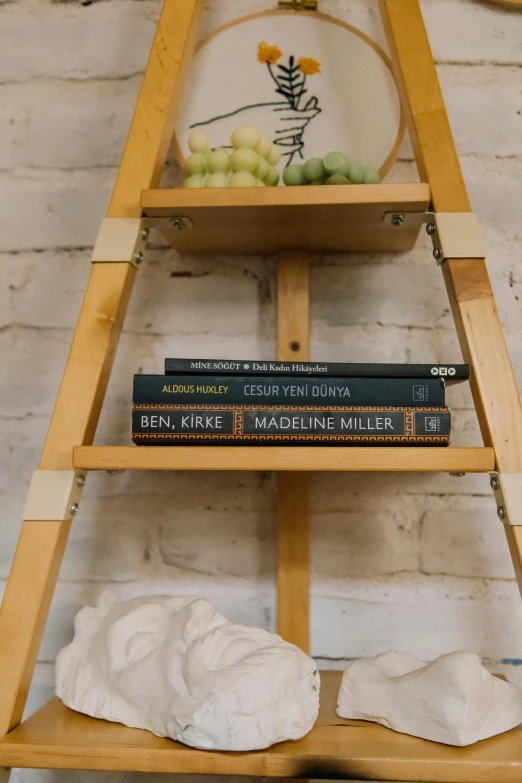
x,y
282,390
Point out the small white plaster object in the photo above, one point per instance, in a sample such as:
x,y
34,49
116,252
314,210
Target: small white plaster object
x,y
176,667
453,700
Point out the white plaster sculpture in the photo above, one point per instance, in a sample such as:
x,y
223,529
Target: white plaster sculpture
x,y
176,667
453,700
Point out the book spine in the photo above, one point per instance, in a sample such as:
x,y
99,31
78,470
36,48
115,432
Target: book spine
x,y
281,390
183,424
451,372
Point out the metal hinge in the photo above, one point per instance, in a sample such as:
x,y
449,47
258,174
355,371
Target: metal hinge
x,y
54,495
298,5
121,240
508,495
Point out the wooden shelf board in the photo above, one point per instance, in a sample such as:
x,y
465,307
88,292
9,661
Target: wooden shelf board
x,y
261,220
58,738
308,458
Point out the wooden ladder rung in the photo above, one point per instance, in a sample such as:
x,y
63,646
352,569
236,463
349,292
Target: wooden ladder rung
x,y
307,458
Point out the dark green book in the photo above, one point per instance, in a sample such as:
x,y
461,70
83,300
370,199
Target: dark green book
x,y
283,390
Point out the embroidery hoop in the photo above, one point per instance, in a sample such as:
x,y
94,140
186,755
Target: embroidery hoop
x,y
510,5
386,165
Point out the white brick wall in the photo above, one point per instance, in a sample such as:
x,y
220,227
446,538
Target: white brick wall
x,y
399,561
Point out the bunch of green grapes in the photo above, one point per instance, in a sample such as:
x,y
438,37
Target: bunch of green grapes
x,y
335,168
252,162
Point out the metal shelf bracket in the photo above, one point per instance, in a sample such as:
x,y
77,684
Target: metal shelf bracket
x,y
507,488
54,495
120,240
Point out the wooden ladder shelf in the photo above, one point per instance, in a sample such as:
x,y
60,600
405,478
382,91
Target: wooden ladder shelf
x,y
340,218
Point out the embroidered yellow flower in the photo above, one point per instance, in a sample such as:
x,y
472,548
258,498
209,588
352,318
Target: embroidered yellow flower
x,y
268,54
309,66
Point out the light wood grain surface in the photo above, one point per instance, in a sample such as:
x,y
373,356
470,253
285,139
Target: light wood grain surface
x,y
56,737
313,458
255,220
428,123
293,489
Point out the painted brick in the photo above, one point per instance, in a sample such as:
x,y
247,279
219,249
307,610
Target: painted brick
x,y
66,124
53,209
373,536
462,536
425,615
239,544
102,41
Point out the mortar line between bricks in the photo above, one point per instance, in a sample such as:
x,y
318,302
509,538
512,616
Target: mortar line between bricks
x,y
101,496
54,249
72,79
180,333
320,592
115,78
21,169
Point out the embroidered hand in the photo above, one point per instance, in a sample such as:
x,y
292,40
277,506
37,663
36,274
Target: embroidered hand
x,y
279,121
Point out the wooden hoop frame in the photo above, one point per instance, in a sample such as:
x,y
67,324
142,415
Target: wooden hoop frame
x,y
509,5
388,163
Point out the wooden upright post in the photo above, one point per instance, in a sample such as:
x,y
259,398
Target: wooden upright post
x,y
41,545
493,383
293,523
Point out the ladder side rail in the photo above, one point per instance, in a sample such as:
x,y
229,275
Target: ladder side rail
x,y
493,384
40,549
293,488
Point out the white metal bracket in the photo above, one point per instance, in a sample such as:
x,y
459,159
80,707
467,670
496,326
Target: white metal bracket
x,y
120,240
54,495
508,495
456,235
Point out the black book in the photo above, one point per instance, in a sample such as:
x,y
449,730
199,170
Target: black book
x,y
258,424
452,373
282,390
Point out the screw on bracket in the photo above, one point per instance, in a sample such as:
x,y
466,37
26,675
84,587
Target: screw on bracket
x,y
494,483
431,228
178,224
80,481
437,254
501,511
397,220
145,234
138,258
73,509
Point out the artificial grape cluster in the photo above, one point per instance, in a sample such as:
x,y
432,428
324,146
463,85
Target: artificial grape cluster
x,y
335,168
252,162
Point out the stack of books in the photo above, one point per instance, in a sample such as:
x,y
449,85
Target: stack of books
x,y
212,402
